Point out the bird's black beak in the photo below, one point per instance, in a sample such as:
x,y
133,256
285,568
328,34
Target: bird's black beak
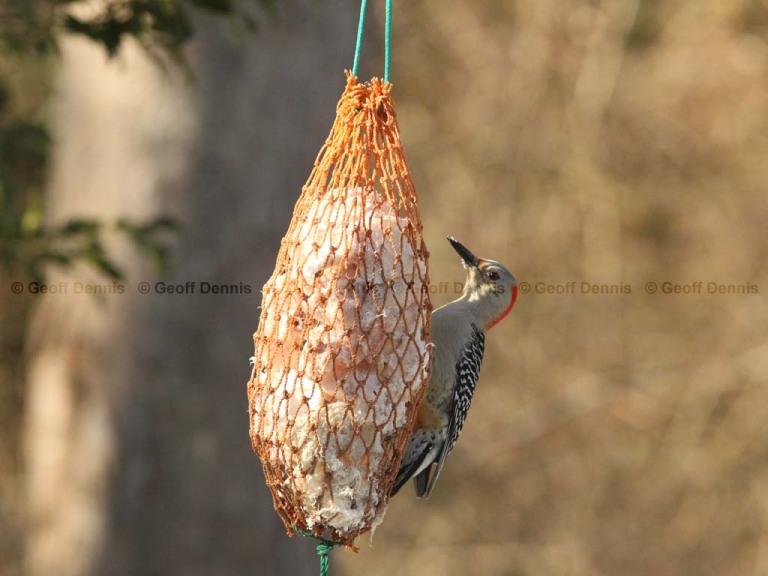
x,y
466,255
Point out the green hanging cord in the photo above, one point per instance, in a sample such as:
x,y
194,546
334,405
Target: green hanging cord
x,y
387,37
360,27
323,550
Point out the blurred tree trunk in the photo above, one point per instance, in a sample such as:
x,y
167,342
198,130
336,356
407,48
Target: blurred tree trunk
x,y
137,449
14,313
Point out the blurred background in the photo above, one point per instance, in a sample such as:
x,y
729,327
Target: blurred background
x,y
597,143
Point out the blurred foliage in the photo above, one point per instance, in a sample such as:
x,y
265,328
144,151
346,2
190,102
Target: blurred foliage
x,y
29,34
29,250
646,28
753,16
161,26
147,237
27,244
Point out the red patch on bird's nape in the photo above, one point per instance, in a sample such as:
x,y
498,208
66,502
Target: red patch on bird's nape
x,y
507,310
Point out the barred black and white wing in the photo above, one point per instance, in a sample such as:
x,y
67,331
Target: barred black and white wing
x,y
467,375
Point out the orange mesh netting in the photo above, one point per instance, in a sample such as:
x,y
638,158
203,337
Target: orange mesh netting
x,y
342,351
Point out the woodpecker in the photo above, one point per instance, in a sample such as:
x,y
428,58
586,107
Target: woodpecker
x,y
458,334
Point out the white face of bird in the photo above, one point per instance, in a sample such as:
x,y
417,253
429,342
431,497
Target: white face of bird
x,y
489,284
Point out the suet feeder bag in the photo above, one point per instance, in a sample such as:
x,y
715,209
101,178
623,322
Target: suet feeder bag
x,y
342,350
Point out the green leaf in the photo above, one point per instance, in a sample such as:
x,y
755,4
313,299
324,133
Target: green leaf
x,y
56,258
4,97
24,143
80,226
105,265
220,6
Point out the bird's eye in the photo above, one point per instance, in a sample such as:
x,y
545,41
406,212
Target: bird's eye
x,y
493,276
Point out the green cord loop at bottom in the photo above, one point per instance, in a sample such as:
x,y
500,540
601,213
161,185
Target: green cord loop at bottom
x,y
323,550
